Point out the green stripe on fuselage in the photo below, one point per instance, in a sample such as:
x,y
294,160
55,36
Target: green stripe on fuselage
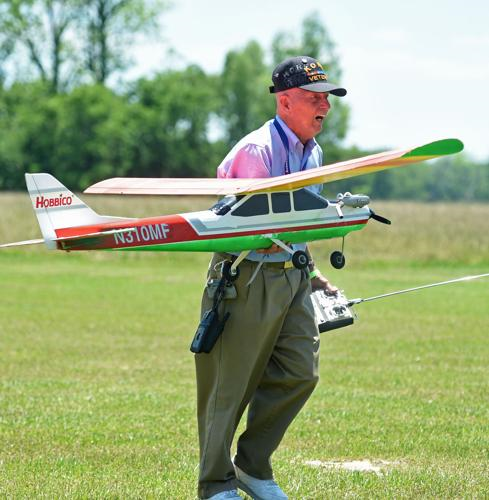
x,y
252,242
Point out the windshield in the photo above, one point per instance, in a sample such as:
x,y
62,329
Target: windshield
x,y
223,206
307,200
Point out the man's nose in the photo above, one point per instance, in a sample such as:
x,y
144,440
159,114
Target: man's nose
x,y
324,103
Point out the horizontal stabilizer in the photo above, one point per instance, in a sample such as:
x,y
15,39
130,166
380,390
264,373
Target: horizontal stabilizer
x,y
22,243
98,233
297,180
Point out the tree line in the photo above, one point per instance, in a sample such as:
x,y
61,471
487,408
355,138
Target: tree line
x,y
61,116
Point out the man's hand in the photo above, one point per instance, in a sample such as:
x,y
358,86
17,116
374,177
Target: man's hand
x,y
319,282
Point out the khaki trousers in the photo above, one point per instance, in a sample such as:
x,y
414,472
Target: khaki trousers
x,y
267,358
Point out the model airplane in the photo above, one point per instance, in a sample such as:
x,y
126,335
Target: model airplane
x,y
253,214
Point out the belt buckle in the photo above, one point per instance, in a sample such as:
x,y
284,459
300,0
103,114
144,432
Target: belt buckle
x,y
288,264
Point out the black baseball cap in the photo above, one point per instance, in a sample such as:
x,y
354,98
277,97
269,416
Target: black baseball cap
x,y
303,72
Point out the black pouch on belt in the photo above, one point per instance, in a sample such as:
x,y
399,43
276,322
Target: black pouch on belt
x,y
208,331
210,326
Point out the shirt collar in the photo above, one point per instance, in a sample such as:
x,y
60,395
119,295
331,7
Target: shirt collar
x,y
292,138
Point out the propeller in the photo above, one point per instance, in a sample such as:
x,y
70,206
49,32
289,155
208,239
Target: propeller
x,y
379,218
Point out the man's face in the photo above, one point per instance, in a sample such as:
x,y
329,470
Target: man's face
x,y
304,111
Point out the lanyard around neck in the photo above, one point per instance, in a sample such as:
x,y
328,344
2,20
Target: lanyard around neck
x,y
285,142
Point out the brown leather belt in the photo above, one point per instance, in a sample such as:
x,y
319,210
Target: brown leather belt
x,y
280,265
277,265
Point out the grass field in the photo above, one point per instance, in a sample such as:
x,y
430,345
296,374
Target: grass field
x,y
97,392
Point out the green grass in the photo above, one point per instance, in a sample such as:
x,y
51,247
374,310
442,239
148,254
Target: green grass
x,y
97,395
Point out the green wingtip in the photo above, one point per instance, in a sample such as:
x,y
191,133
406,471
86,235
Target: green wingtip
x,y
437,148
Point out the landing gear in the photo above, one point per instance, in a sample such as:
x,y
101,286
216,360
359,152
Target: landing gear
x,y
337,260
228,272
300,259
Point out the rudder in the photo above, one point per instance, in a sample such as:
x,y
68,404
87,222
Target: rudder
x,y
57,207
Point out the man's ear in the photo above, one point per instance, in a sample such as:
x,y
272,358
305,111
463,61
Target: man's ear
x,y
284,102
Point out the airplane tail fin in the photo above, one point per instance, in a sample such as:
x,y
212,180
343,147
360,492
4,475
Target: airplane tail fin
x,y
57,207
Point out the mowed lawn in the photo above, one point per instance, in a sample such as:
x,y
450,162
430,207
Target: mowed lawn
x,y
97,394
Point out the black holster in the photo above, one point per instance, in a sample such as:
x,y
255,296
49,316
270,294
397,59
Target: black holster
x,y
210,326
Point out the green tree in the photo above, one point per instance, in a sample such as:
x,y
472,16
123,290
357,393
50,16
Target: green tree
x,y
110,26
314,41
95,136
80,137
65,40
458,178
27,121
246,101
174,112
6,48
161,128
39,29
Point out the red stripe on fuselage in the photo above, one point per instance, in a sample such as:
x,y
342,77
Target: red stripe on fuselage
x,y
176,221
148,231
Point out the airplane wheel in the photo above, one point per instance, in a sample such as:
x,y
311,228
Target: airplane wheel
x,y
337,260
226,271
300,259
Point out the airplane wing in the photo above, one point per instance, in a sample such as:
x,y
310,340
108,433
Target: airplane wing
x,y
320,175
175,186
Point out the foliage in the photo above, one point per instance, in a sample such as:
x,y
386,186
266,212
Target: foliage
x,y
73,136
108,26
174,111
67,41
246,101
27,121
95,136
39,28
159,128
455,178
177,123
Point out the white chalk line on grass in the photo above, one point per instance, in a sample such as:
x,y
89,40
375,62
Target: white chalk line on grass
x,y
378,467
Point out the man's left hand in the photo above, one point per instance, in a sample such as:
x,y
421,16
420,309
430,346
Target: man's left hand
x,y
319,282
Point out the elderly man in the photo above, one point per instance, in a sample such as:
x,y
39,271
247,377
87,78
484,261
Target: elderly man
x,y
267,356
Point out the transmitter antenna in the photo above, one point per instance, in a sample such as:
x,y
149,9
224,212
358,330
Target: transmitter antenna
x,y
440,283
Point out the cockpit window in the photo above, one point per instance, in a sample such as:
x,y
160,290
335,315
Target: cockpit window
x,y
280,202
255,205
307,200
224,205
